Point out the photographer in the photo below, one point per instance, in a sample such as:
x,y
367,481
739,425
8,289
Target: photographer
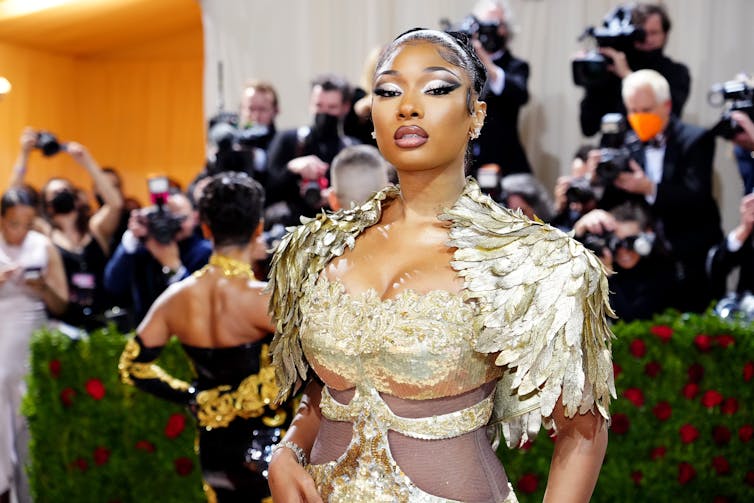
x,y
83,237
643,283
146,262
574,193
505,92
671,171
605,98
299,159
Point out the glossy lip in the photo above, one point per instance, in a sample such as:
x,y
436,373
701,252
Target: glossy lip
x,y
410,136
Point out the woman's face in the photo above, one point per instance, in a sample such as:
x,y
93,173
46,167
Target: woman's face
x,y
420,112
16,224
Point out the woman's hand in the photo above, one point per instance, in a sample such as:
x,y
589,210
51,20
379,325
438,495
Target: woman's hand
x,y
288,480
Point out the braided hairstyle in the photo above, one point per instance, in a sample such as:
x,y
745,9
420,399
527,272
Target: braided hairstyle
x,y
454,47
231,206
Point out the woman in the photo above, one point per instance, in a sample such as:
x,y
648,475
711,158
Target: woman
x,y
32,280
220,317
83,238
412,308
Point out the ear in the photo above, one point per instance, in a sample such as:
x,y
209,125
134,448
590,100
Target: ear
x,y
258,231
206,232
480,112
332,199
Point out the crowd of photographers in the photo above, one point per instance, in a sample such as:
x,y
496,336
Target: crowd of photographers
x,y
640,197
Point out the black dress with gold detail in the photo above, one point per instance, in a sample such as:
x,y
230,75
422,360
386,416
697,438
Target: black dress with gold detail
x,y
232,398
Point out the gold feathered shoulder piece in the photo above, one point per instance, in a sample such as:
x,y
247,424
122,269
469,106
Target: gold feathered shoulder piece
x,y
542,307
297,262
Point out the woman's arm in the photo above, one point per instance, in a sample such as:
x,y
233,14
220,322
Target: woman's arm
x,y
105,221
55,291
287,478
28,140
576,461
136,362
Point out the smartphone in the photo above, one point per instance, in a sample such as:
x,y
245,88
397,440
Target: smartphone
x,y
32,273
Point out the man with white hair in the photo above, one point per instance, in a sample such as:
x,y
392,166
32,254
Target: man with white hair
x,y
672,175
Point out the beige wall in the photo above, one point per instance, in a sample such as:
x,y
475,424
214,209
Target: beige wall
x,y
289,41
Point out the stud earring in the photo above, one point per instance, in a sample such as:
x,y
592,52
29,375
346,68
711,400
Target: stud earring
x,y
374,135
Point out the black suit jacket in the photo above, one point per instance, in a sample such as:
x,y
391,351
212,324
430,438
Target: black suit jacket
x,y
607,98
499,142
684,206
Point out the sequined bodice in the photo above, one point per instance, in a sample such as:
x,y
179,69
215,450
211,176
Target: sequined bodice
x,y
416,345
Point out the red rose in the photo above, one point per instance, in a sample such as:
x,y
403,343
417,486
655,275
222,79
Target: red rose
x,y
658,452
144,445
725,340
183,466
81,464
637,348
720,499
721,465
527,445
652,369
729,406
711,398
745,432
688,433
690,390
703,342
636,476
101,455
175,425
617,369
664,332
721,434
528,483
55,368
695,372
66,396
635,396
95,388
748,371
620,424
662,411
749,478
686,472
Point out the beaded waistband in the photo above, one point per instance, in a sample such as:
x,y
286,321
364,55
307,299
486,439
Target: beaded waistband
x,y
452,424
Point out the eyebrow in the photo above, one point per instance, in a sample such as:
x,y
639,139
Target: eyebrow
x,y
429,69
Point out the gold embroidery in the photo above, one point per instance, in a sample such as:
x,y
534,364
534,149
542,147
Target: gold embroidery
x,y
219,406
129,368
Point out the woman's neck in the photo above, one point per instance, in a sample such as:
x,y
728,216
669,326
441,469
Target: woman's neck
x,y
67,225
425,194
240,253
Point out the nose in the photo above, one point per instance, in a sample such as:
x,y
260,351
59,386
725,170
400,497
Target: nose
x,y
410,108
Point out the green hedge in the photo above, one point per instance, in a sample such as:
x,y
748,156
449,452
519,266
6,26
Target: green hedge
x,y
682,425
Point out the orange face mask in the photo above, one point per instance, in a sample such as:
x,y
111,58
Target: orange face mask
x,y
645,125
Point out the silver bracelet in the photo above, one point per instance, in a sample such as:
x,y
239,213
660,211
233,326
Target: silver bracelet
x,y
297,450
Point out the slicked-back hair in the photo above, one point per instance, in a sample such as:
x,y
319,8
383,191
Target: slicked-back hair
x,y
231,206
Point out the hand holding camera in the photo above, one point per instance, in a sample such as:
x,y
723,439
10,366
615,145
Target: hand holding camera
x,y
745,137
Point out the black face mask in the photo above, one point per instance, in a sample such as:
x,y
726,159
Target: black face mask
x,y
63,202
326,126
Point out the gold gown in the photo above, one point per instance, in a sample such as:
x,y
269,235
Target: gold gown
x,y
412,384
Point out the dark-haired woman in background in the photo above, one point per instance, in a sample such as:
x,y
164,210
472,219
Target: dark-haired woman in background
x,y
413,308
219,314
32,281
82,237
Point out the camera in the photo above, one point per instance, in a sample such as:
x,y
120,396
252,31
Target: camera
x,y
580,191
617,31
161,224
736,306
311,191
48,144
615,150
641,243
235,146
736,96
486,33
